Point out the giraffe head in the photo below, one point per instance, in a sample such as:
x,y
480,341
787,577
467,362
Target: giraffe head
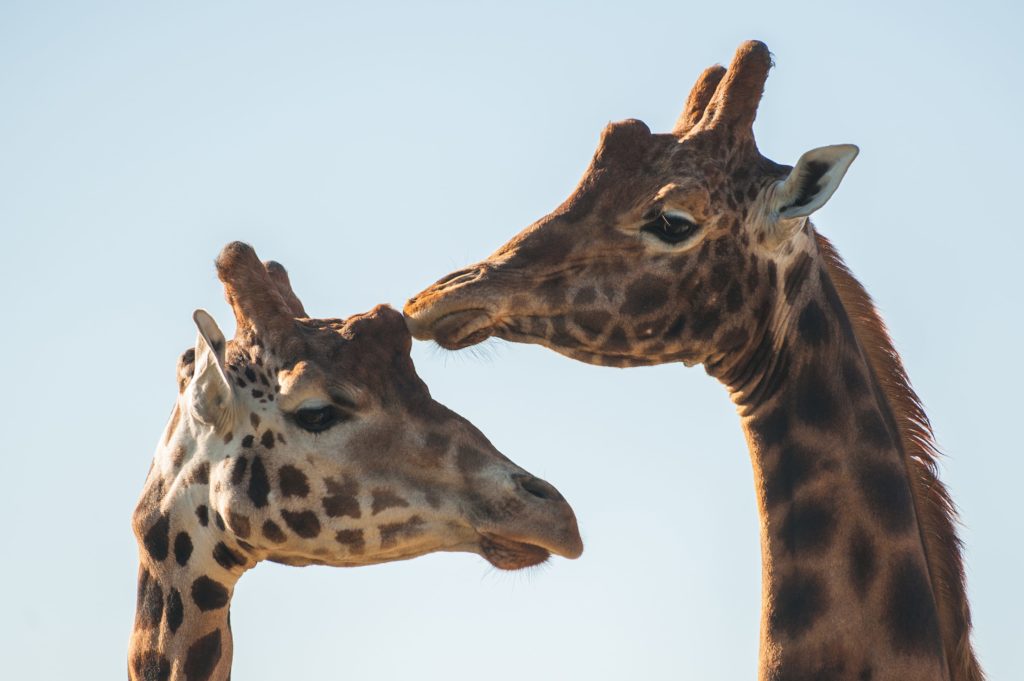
x,y
314,441
669,249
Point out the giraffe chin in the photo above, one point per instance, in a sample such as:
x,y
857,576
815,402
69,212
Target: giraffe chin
x,y
508,554
462,329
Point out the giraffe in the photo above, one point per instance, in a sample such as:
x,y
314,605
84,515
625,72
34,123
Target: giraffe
x,y
692,247
310,441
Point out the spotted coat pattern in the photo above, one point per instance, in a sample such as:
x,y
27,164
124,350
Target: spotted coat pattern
x,y
672,249
310,441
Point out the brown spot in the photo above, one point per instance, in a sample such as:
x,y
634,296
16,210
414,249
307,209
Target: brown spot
x,y
254,420
591,322
303,523
273,532
201,474
238,470
887,491
293,482
157,539
228,438
470,459
175,610
809,527
384,499
617,341
872,429
227,558
150,665
239,524
552,291
795,277
734,298
854,378
645,295
721,275
863,562
391,533
815,401
800,600
259,483
813,325
585,296
435,447
182,548
202,657
353,539
341,500
149,609
268,439
910,614
209,594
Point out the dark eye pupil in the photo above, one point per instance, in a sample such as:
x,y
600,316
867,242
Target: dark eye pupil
x,y
318,419
675,225
672,229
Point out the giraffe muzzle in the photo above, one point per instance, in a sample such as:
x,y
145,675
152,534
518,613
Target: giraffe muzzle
x,y
456,330
543,524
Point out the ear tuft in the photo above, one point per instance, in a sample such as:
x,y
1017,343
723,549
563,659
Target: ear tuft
x,y
813,180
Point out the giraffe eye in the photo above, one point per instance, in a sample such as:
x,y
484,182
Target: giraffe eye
x,y
318,419
671,227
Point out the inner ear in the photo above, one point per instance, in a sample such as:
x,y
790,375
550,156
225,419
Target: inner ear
x,y
210,391
813,180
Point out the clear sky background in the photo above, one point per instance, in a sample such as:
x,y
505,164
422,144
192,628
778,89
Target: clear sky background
x,y
374,150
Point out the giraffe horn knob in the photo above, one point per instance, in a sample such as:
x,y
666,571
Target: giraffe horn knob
x,y
734,104
279,275
251,291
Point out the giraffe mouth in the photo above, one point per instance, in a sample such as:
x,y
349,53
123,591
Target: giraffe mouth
x,y
510,554
457,330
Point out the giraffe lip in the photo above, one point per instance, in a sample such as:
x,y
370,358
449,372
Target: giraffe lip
x,y
457,330
511,554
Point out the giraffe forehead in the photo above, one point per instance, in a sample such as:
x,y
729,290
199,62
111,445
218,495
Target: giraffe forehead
x,y
624,181
306,381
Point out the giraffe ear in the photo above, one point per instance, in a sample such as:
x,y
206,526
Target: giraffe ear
x,y
812,182
210,391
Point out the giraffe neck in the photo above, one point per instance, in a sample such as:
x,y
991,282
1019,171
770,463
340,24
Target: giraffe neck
x,y
188,567
845,580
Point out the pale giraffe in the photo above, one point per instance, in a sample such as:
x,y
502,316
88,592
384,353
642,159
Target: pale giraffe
x,y
693,247
310,441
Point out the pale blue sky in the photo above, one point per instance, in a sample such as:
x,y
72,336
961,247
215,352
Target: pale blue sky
x,y
374,150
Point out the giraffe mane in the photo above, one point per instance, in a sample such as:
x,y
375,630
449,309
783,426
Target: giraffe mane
x,y
936,512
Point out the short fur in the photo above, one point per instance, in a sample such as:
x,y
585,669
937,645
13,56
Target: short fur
x,y
935,509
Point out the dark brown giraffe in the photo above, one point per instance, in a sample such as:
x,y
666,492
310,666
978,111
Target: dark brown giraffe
x,y
310,441
693,247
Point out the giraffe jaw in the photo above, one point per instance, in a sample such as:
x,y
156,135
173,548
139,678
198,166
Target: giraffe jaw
x,y
455,330
509,554
464,328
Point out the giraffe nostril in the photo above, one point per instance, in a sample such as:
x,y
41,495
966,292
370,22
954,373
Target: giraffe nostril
x,y
539,488
453,276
